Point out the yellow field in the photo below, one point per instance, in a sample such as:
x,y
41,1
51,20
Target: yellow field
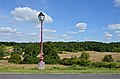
x,y
94,56
4,63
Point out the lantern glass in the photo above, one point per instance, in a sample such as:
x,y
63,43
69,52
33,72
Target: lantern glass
x,y
41,16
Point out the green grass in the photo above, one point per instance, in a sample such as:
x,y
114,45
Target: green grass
x,y
8,47
58,70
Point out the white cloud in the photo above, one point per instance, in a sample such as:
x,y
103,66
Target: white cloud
x,y
86,39
28,14
65,37
71,32
32,34
107,35
45,30
7,30
81,26
117,3
114,26
117,31
19,34
37,26
48,38
49,30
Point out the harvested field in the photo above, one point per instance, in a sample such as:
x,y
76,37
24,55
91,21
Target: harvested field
x,y
94,56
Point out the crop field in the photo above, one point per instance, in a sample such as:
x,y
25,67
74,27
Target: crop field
x,y
94,56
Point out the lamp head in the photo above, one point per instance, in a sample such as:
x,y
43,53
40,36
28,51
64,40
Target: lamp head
x,y
41,16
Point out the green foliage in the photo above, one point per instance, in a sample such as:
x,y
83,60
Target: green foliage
x,y
2,51
17,50
66,61
30,60
85,55
30,49
15,58
51,56
99,64
82,61
104,64
72,46
112,65
117,50
51,50
77,67
108,58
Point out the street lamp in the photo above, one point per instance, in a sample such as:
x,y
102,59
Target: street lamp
x,y
41,64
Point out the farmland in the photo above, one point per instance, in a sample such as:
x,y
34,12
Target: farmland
x,y
94,56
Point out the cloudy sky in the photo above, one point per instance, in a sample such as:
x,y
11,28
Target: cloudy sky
x,y
65,20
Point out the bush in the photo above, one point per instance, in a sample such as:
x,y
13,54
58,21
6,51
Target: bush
x,y
51,59
77,67
104,64
50,54
99,64
66,61
85,55
84,62
112,65
15,58
108,58
30,60
2,51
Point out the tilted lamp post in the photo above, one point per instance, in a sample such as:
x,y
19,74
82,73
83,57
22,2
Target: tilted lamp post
x,y
41,64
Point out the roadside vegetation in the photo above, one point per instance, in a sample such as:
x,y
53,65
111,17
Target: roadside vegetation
x,y
28,53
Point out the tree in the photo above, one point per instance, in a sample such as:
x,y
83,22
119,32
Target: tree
x,y
17,50
15,58
108,58
2,51
30,60
85,55
50,54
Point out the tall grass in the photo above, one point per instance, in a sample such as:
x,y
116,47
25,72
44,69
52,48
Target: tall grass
x,y
71,70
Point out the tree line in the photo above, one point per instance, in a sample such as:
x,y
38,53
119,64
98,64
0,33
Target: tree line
x,y
74,46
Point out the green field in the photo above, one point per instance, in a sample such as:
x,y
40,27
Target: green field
x,y
57,70
6,67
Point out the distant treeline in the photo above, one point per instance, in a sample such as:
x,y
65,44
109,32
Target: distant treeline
x,y
75,46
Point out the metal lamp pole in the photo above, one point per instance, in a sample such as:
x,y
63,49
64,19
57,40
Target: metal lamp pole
x,y
41,64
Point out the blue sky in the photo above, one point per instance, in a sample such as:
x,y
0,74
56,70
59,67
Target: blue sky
x,y
65,20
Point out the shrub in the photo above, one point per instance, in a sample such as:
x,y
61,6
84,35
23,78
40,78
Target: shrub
x,y
108,58
77,67
85,55
66,61
112,65
99,64
84,62
52,59
30,60
50,54
2,51
15,58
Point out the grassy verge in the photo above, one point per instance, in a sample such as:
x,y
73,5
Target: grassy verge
x,y
58,70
